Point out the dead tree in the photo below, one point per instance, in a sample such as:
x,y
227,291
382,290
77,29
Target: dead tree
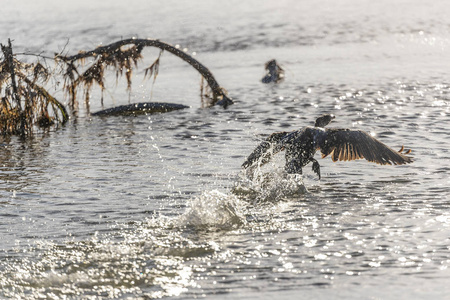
x,y
24,103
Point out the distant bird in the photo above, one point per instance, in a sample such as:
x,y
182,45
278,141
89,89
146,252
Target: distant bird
x,y
274,72
341,144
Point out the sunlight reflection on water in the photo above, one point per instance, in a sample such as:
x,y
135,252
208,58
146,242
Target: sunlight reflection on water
x,y
157,206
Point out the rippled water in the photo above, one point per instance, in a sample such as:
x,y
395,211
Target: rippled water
x,y
157,206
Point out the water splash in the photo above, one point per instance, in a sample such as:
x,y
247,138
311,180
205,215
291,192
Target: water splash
x,y
265,181
260,185
214,209
147,258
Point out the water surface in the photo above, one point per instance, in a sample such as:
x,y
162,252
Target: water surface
x,y
144,206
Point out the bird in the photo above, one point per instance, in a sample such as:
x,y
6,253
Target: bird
x,y
340,144
274,72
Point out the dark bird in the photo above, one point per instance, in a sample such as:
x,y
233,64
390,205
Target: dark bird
x,y
274,72
341,144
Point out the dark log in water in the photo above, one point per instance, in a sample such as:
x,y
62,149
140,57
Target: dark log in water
x,y
140,109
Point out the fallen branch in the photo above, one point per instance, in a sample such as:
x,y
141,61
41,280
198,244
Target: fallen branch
x,y
113,55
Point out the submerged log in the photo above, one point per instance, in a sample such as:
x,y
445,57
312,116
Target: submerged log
x,y
140,109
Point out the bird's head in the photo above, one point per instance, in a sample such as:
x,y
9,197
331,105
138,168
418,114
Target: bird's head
x,y
324,120
271,64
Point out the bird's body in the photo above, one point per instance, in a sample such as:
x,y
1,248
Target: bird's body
x,y
341,144
274,74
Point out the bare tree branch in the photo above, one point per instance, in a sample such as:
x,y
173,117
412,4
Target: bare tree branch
x,y
219,94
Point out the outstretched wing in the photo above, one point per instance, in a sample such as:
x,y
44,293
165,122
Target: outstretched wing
x,y
345,144
264,152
